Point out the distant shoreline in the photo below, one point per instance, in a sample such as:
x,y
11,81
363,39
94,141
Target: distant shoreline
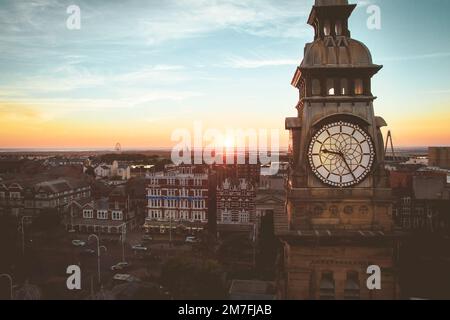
x,y
148,151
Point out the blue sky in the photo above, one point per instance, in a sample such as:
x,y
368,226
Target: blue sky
x,y
137,70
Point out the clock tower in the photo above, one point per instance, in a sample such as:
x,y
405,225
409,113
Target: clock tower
x,y
338,198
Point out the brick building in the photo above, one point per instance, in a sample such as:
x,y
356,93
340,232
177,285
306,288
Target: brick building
x,y
106,215
178,200
33,197
236,202
422,199
439,157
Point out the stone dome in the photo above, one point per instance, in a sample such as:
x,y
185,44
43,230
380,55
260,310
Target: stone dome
x,y
343,52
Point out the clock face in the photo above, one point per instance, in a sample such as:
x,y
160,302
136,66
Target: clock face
x,y
341,154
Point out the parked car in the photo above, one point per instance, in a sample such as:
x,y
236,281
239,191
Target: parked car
x,y
78,243
139,247
147,238
125,277
191,239
120,266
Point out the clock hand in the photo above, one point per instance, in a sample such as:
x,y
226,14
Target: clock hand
x,y
331,152
346,163
343,158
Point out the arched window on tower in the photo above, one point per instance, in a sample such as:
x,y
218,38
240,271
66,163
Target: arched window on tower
x,y
316,87
359,88
326,28
344,87
330,87
338,27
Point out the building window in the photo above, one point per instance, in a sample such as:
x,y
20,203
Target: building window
x,y
155,214
348,210
198,204
327,28
154,192
102,215
155,203
170,214
406,201
318,210
14,195
338,27
197,193
344,87
316,91
334,211
352,289
327,289
330,87
88,214
171,203
184,204
184,215
244,217
359,88
117,215
197,215
363,210
226,216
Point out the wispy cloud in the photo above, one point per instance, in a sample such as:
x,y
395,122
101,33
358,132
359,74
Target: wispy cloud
x,y
67,78
132,99
249,63
424,56
193,18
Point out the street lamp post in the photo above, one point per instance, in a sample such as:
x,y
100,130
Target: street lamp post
x,y
124,232
254,244
22,229
10,283
170,228
71,220
98,254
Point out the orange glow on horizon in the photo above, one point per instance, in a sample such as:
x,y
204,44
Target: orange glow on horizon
x,y
22,126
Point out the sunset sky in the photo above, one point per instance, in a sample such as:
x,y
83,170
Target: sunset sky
x,y
138,70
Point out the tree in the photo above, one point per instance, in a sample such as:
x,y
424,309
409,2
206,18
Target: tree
x,y
191,278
